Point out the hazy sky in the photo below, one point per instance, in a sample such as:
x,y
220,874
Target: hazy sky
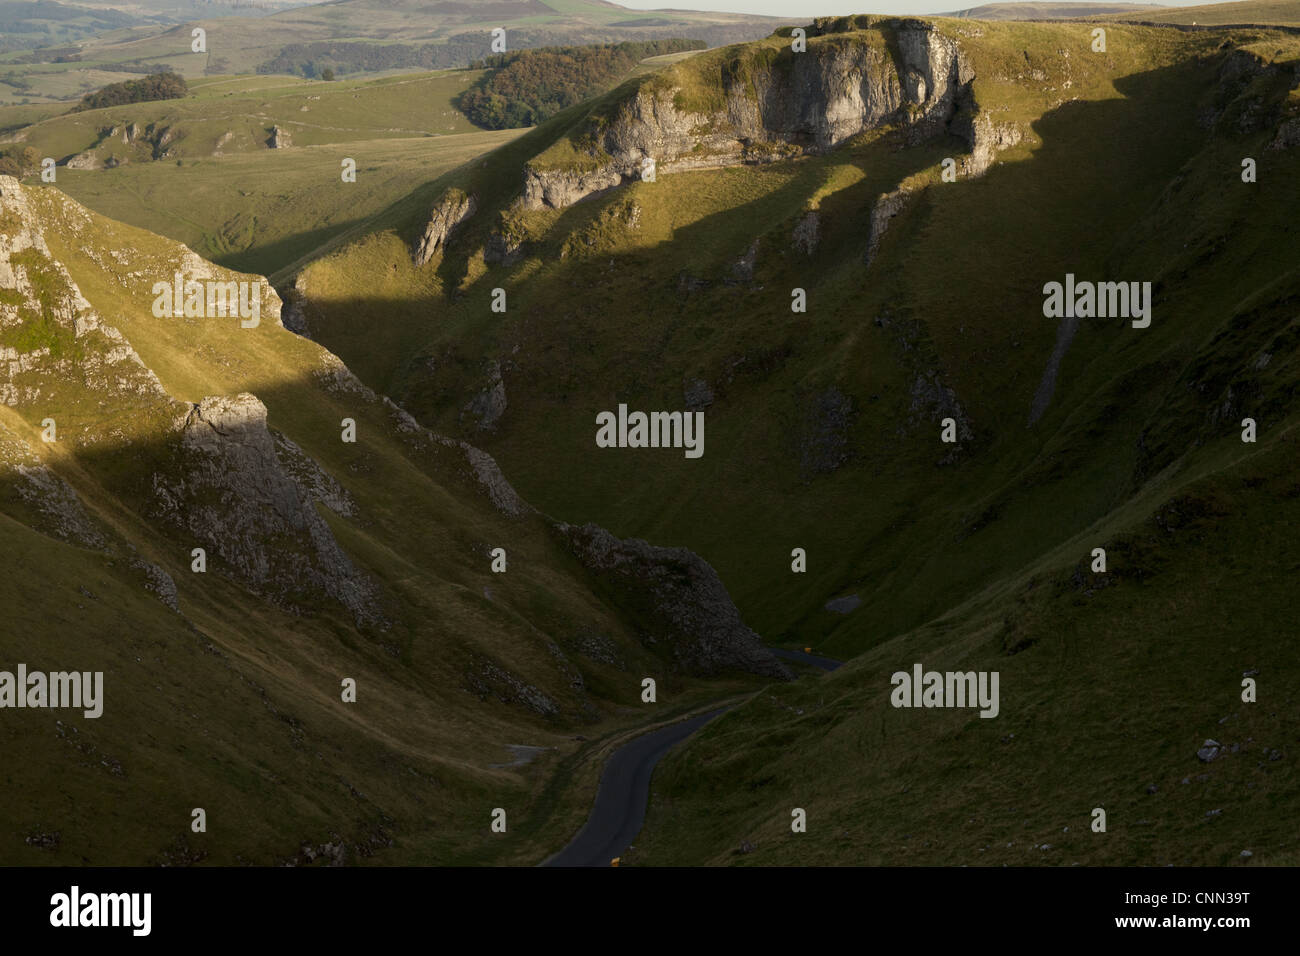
x,y
804,10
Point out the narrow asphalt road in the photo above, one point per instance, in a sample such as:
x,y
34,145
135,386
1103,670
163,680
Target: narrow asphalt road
x,y
624,789
621,799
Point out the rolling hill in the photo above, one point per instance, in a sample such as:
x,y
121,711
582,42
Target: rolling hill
x,y
351,36
817,179
214,514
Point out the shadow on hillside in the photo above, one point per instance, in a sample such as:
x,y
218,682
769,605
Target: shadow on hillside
x,y
1100,167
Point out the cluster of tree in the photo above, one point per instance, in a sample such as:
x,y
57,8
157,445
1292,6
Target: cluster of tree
x,y
313,59
528,87
155,86
19,162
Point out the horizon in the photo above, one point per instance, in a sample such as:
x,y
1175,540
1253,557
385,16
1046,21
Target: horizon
x,y
836,8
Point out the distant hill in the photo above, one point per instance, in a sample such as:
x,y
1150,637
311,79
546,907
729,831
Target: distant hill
x,y
1050,11
202,169
363,36
1284,12
815,180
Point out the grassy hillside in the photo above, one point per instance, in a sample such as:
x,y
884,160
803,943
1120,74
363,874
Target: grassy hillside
x,y
201,170
1109,686
326,560
824,427
1286,12
358,35
1053,11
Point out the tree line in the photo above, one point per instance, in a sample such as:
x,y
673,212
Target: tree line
x,y
528,87
155,86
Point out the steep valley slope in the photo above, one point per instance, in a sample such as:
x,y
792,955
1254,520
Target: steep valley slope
x,y
215,514
777,172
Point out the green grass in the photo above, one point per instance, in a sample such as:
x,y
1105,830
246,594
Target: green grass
x,y
219,188
233,705
1112,693
241,45
1285,12
1115,177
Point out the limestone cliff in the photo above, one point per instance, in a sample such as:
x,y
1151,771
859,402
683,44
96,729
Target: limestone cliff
x,y
774,104
679,599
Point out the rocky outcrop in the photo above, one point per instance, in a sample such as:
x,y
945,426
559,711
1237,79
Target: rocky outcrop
x,y
84,160
449,212
73,343
56,509
486,679
773,108
683,610
280,138
293,309
807,233
488,405
159,582
677,600
502,249
985,138
823,444
697,394
308,475
1288,135
886,207
230,492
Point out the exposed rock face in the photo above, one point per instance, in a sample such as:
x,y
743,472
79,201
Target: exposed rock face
x,y
807,233
502,249
487,407
61,513
888,206
795,104
486,679
1288,135
159,582
78,346
824,438
931,399
697,394
308,475
678,601
293,313
449,212
1240,108
231,493
986,139
280,138
86,160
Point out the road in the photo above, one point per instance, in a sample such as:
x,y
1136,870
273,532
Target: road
x,y
622,796
624,789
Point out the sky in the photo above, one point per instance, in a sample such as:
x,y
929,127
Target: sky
x,y
804,10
